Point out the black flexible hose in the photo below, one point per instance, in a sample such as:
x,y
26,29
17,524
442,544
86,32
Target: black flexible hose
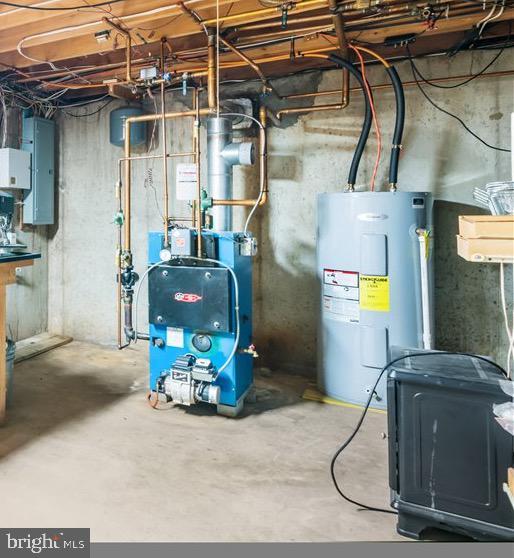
x,y
366,126
399,124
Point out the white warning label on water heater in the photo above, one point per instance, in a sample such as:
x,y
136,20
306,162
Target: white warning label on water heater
x,y
340,278
341,294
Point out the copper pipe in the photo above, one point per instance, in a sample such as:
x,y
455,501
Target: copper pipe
x,y
345,96
315,108
263,118
233,203
499,73
200,71
169,155
127,160
211,71
268,24
128,46
263,169
338,26
127,180
337,19
198,203
310,30
247,60
300,6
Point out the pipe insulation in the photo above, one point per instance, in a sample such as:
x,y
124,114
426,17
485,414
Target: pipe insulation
x,y
366,126
398,126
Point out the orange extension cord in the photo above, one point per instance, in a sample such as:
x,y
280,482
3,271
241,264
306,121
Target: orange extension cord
x,y
375,119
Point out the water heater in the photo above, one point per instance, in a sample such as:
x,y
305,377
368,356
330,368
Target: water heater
x,y
370,265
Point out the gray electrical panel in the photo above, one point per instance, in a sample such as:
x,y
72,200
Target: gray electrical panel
x,y
39,139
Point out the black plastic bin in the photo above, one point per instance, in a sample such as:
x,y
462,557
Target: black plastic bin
x,y
448,456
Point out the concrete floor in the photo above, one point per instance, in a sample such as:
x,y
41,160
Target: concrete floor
x,y
83,449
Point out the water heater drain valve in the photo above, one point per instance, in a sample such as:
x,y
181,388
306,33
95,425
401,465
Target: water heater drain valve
x,y
190,381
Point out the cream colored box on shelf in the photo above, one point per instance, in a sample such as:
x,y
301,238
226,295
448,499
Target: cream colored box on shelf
x,y
485,249
486,238
486,226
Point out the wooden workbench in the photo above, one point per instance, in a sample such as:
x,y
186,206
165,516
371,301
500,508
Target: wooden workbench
x,y
8,267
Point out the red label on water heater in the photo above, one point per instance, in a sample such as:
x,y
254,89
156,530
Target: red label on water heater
x,y
187,297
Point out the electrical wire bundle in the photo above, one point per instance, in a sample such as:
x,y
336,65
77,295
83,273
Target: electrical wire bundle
x,y
418,76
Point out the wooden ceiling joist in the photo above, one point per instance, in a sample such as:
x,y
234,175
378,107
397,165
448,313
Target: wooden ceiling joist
x,y
31,39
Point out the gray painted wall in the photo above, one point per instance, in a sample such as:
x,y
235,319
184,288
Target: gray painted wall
x,y
307,155
27,300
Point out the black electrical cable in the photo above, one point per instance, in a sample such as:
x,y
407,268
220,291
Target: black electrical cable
x,y
471,78
366,126
42,9
89,113
348,441
459,120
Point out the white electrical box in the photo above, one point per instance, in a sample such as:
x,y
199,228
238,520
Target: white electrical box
x,y
14,168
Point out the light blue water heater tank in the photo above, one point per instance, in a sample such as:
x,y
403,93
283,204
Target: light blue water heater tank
x,y
138,130
368,259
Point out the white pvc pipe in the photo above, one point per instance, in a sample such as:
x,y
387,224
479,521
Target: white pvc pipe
x,y
425,289
512,144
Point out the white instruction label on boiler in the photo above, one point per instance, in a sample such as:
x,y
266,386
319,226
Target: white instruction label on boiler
x,y
186,182
175,337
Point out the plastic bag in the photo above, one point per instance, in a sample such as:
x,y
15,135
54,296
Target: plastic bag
x,y
504,415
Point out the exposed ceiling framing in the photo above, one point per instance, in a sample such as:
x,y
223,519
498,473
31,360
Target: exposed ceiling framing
x,y
66,47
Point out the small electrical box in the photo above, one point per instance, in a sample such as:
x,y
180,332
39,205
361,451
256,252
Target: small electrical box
x,y
14,168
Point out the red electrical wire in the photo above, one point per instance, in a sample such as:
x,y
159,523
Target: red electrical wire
x,y
375,120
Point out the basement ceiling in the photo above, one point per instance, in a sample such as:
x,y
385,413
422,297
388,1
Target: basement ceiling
x,y
80,45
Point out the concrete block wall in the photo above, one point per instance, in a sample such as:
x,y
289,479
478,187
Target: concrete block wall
x,y
307,155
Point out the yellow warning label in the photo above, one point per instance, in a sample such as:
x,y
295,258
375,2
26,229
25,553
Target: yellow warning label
x,y
374,293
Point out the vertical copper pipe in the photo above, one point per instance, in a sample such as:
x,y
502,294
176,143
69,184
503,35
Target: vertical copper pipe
x,y
247,60
128,46
211,70
129,58
263,148
128,187
337,19
198,204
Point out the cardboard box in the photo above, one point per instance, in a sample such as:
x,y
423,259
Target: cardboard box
x,y
485,249
486,226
